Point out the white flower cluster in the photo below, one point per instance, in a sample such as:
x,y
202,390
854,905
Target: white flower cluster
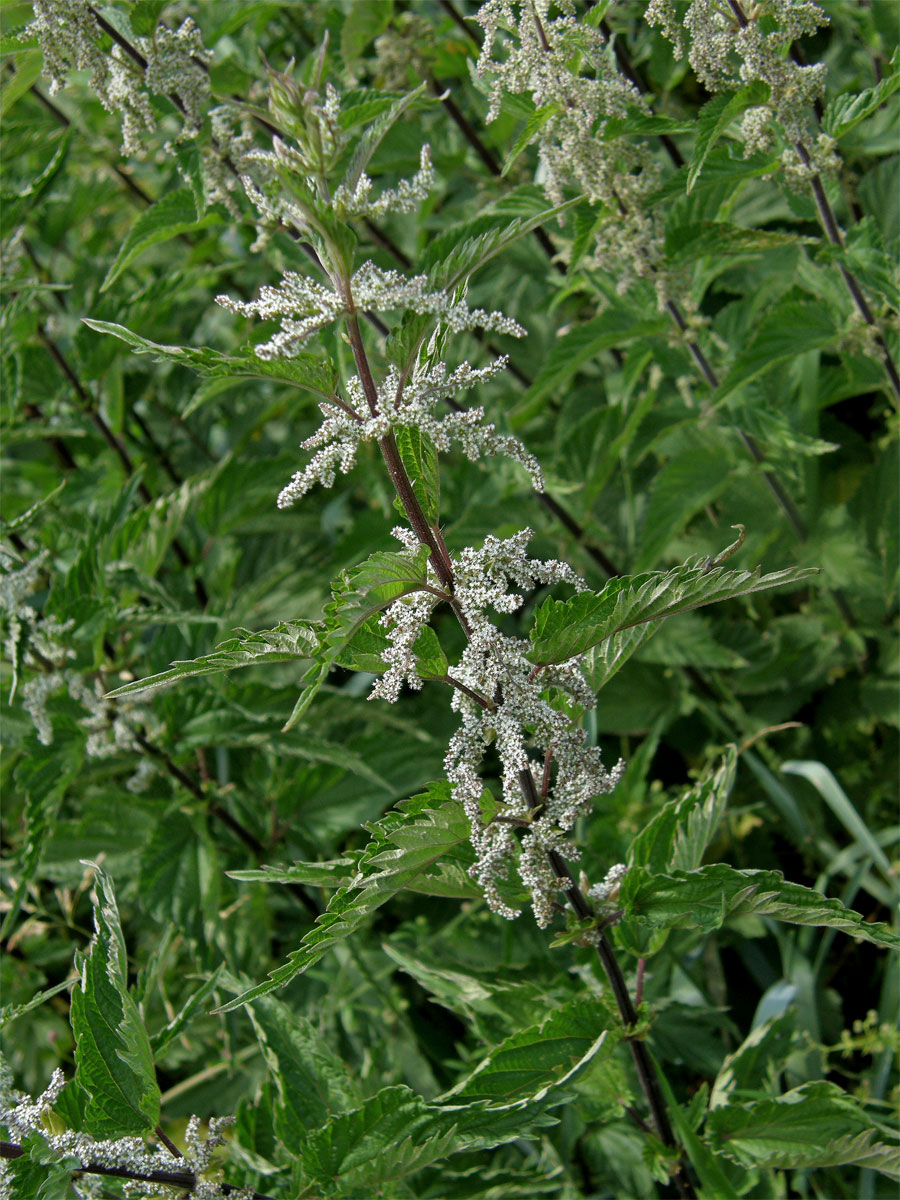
x,y
516,712
23,1116
39,643
725,54
405,198
338,438
68,35
370,288
537,59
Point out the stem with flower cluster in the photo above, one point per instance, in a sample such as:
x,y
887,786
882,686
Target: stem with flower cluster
x,y
579,904
184,1180
833,233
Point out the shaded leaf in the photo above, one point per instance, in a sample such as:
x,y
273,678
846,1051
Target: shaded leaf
x,y
789,330
405,852
580,345
174,214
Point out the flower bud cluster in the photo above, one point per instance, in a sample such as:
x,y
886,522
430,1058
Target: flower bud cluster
x,y
618,173
726,53
410,407
606,891
24,1117
69,36
404,51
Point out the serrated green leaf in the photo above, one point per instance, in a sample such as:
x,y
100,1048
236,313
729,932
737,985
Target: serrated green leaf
x,y
361,106
725,164
113,1059
677,837
789,330
376,133
706,898
395,1133
533,127
533,1058
302,370
288,641
420,459
760,1055
336,872
816,1125
358,594
431,661
457,254
639,124
404,853
175,213
715,117
844,113
702,238
311,1083
563,629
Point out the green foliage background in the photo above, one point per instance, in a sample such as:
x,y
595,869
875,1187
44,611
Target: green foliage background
x,y
149,492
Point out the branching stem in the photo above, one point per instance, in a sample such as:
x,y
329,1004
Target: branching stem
x,y
559,866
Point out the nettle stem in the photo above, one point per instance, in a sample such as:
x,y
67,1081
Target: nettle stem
x,y
440,560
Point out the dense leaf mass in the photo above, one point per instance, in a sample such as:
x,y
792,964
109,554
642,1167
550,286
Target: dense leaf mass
x,y
408,791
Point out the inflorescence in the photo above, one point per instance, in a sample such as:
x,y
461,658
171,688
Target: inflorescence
x,y
24,1117
502,701
726,53
526,50
69,38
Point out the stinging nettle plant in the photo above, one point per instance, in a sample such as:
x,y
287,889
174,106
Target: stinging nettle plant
x,y
521,647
